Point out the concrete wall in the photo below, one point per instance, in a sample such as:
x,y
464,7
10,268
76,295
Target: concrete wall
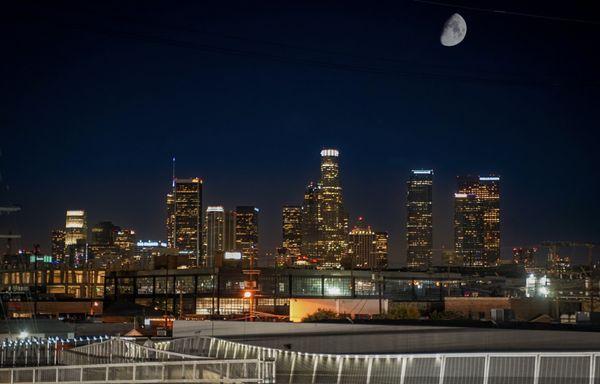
x,y
472,307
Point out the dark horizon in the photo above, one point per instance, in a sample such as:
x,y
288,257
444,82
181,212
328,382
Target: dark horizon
x,y
100,96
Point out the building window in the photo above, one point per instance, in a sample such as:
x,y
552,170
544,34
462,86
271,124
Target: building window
x,y
306,286
205,284
365,287
145,285
184,284
337,286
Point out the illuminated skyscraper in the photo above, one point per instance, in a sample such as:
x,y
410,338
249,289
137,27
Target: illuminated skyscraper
x,y
333,228
75,227
184,218
482,200
419,219
381,249
246,233
468,233
310,219
214,235
292,230
58,245
489,195
362,246
125,240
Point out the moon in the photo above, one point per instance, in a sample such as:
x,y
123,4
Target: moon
x,y
455,30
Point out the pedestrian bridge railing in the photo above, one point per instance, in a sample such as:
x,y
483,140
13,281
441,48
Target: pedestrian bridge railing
x,y
444,368
183,371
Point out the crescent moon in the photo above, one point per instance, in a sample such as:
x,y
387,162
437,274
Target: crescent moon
x,y
455,30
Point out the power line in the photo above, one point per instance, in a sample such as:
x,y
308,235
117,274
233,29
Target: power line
x,y
513,13
502,79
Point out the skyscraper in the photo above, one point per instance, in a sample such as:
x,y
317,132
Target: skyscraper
x,y
310,221
75,227
246,233
419,219
489,196
381,249
58,245
292,230
125,240
104,233
184,218
468,233
229,239
334,222
214,235
362,246
479,199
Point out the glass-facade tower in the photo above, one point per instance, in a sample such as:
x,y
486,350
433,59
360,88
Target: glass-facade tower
x,y
419,219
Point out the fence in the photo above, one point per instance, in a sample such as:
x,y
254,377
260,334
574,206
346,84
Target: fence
x,y
184,371
447,368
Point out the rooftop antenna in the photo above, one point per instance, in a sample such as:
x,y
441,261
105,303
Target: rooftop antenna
x,y
173,171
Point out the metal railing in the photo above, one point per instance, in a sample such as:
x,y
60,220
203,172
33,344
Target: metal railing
x,y
184,371
444,368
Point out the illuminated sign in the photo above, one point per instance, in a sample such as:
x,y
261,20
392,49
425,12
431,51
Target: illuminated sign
x,y
460,195
215,209
330,152
489,178
423,171
232,256
150,243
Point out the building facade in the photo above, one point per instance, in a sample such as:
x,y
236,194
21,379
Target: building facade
x,y
214,235
246,233
381,249
75,227
310,219
419,219
184,218
333,226
362,246
477,220
58,245
292,232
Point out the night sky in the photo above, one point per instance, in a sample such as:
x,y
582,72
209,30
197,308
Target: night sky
x,y
98,96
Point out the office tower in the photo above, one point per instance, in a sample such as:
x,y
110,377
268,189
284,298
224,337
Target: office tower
x,y
125,240
229,237
482,195
214,235
75,227
468,233
58,245
104,233
361,246
381,249
333,228
489,196
419,219
292,231
524,256
246,233
310,219
184,218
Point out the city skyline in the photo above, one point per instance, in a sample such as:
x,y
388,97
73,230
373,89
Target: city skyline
x,y
93,119
462,185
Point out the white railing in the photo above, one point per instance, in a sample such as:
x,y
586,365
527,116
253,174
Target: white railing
x,y
184,371
444,368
